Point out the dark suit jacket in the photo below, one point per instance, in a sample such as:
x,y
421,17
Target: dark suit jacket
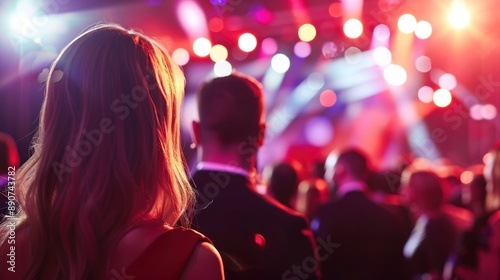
x,y
371,240
257,237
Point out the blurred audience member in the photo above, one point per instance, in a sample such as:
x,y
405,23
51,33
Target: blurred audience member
x,y
371,239
487,238
311,194
282,180
434,234
9,158
474,195
258,237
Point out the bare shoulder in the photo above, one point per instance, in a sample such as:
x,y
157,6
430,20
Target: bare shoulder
x,y
205,263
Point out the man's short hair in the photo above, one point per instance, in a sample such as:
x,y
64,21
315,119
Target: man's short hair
x,y
355,161
232,107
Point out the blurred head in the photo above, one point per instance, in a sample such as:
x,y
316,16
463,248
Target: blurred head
x,y
474,194
231,111
492,176
351,164
108,149
9,156
424,190
282,180
311,194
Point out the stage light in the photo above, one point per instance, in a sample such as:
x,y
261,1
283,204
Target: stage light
x,y
302,49
330,50
315,81
442,97
335,9
489,112
407,23
395,75
476,112
269,46
425,94
191,18
381,32
327,98
459,16
423,64
307,32
223,68
318,131
447,81
202,47
423,30
353,28
180,56
280,63
247,42
382,56
218,53
353,55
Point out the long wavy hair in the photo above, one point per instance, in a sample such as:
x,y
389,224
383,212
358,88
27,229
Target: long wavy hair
x,y
492,175
106,156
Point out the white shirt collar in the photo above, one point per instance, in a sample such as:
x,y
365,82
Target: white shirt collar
x,y
205,165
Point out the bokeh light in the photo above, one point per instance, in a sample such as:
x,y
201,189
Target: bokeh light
x,y
215,24
327,98
395,75
330,50
353,55
353,28
180,56
202,47
407,23
318,131
302,49
382,56
466,177
425,94
218,53
423,30
223,68
475,112
459,16
307,32
269,46
280,63
442,97
247,42
489,112
335,9
447,81
381,32
423,64
315,81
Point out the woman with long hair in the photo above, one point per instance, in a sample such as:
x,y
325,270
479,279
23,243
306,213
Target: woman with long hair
x,y
107,180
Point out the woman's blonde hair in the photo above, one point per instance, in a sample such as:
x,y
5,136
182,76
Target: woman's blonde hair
x,y
107,153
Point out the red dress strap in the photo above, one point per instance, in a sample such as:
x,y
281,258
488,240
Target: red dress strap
x,y
166,257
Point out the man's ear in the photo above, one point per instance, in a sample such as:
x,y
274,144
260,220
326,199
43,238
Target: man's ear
x,y
196,132
261,135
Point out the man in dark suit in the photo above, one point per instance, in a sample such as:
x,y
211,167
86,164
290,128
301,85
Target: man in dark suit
x,y
371,239
257,237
